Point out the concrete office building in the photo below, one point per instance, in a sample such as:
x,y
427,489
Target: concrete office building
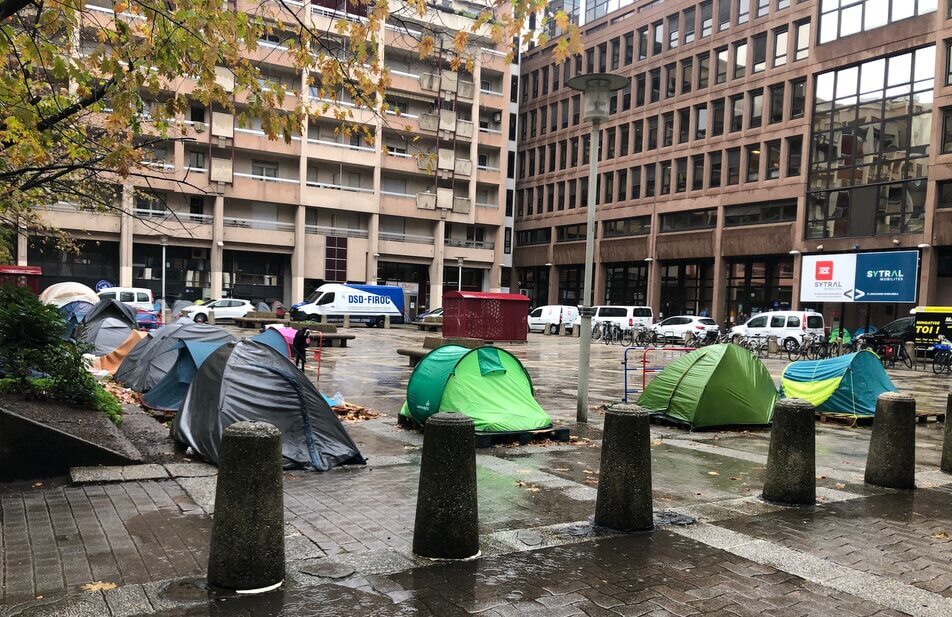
x,y
269,220
753,133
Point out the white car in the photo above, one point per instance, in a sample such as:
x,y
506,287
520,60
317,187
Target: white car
x,y
553,314
624,316
139,298
788,326
229,308
673,328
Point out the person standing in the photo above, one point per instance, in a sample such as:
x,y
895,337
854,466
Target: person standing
x,y
299,346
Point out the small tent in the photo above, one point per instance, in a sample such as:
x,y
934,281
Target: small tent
x,y
105,334
261,307
487,384
169,393
718,385
847,384
133,360
249,380
110,307
162,352
59,294
74,312
112,360
178,306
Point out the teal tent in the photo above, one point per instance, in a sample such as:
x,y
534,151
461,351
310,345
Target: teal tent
x,y
487,384
848,384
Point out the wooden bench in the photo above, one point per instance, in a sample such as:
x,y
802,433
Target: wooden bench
x,y
255,319
432,342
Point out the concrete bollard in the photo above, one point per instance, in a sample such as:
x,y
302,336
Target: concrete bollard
x,y
386,321
791,462
577,331
624,499
561,329
773,347
946,464
323,318
211,317
891,461
346,321
547,330
447,522
247,545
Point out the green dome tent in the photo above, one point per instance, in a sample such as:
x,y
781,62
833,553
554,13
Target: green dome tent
x,y
719,385
487,384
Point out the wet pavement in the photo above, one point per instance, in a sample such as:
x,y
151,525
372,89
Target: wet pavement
x,y
860,551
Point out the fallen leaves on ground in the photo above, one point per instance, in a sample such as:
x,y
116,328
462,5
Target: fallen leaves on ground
x,y
941,536
348,412
98,586
839,486
125,395
713,473
532,488
37,485
656,442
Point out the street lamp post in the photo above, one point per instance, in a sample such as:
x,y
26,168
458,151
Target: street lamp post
x,y
459,283
165,242
598,89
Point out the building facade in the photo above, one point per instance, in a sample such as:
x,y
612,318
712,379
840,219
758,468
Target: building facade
x,y
753,132
239,215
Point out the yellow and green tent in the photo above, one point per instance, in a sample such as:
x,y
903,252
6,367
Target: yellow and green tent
x,y
848,384
718,385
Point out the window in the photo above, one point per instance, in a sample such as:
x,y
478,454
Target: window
x,y
723,14
609,143
665,171
643,43
616,53
609,186
802,42
197,113
684,125
622,184
707,21
635,226
667,138
948,63
853,16
638,135
760,53
652,133
700,121
798,98
689,26
680,175
635,182
740,59
733,166
946,130
573,148
743,11
775,113
576,106
544,78
674,33
658,44
670,80
717,117
629,48
689,219
623,139
264,169
649,180
753,163
760,213
655,85
703,71
763,7
533,236
794,155
687,75
697,172
780,47
572,194
715,169
737,112
640,89
783,4
196,160
756,108
773,160
570,233
720,69
626,98
943,192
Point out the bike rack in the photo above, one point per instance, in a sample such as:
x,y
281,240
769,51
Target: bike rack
x,y
642,366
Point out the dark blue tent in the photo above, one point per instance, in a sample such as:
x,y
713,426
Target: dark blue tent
x,y
74,312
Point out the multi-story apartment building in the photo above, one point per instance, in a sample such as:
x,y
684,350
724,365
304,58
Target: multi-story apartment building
x,y
243,216
753,133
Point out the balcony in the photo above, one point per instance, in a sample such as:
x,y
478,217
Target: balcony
x,y
257,141
341,152
338,232
409,245
70,216
341,197
470,244
174,224
254,231
265,188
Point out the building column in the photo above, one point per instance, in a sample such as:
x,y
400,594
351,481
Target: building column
x,y
218,235
125,236
795,292
495,270
373,247
654,288
299,255
719,296
436,268
553,285
23,250
599,283
928,274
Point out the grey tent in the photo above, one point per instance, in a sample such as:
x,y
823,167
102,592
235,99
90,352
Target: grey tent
x,y
261,307
160,356
250,380
111,307
104,334
134,359
178,306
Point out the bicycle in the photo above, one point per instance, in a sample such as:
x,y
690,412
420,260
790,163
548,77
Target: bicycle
x,y
942,358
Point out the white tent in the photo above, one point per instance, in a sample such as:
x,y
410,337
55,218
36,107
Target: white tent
x,y
59,294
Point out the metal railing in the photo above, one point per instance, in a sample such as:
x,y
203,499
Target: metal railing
x,y
341,232
336,144
395,237
399,195
492,92
231,221
339,187
470,244
267,178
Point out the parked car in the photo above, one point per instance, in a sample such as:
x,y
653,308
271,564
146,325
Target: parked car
x,y
148,320
368,304
624,316
437,312
902,330
136,297
788,326
673,328
226,309
542,316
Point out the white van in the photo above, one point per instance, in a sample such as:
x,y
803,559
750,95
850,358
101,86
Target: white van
x,y
136,297
624,316
788,326
543,316
364,303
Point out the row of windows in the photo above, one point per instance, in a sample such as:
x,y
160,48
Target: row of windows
x,y
693,73
840,18
719,168
784,100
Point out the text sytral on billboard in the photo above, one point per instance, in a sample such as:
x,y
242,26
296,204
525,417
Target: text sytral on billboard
x,y
891,276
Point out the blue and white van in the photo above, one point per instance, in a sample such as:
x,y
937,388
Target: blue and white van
x,y
363,303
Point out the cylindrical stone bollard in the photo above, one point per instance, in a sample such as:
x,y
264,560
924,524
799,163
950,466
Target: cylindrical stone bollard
x,y
561,329
577,331
891,461
624,498
447,522
247,546
211,317
946,463
346,321
548,329
791,462
386,321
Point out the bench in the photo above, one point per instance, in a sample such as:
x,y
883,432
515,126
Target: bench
x,y
254,319
330,336
432,342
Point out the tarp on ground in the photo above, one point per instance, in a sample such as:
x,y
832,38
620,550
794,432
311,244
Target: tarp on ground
x,y
249,380
487,384
110,307
718,385
847,384
105,334
161,354
134,359
59,294
112,360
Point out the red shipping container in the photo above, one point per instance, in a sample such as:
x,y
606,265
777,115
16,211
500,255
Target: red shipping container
x,y
489,316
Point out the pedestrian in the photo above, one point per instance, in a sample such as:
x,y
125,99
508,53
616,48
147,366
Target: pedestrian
x,y
301,339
